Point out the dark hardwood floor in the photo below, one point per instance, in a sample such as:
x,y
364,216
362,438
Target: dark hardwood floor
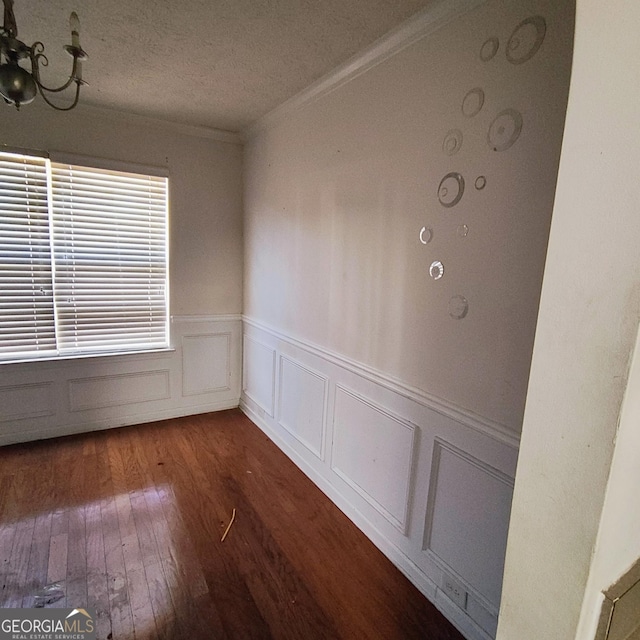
x,y
129,521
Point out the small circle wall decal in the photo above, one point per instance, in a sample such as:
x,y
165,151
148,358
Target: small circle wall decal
x,y
489,49
452,142
426,235
451,189
458,307
472,102
526,40
504,130
480,183
436,270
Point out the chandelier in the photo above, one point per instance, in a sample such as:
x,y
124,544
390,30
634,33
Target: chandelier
x,y
19,86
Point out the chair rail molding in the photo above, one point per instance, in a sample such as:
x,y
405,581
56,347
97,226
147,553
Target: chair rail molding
x,y
410,470
200,373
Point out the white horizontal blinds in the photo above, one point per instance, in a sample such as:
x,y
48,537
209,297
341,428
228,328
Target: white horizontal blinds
x,y
110,257
27,326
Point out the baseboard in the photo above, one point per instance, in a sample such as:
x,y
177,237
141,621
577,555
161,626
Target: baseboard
x,y
423,582
124,421
201,373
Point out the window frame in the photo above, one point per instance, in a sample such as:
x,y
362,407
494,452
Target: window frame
x,y
108,165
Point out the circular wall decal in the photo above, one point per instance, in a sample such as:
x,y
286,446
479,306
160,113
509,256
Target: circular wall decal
x,y
526,39
472,102
458,307
450,190
481,183
504,130
452,142
463,230
489,49
436,270
426,234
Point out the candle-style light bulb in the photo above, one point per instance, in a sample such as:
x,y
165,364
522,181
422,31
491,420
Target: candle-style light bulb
x,y
74,23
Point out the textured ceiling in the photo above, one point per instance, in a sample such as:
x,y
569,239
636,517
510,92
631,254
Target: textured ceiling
x,y
214,63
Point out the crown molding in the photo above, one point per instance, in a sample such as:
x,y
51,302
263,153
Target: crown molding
x,y
415,28
195,131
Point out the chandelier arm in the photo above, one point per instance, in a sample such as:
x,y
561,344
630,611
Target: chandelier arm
x,y
71,106
10,28
36,55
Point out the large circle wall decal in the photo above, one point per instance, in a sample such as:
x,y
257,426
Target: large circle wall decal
x,y
450,189
526,39
472,102
504,130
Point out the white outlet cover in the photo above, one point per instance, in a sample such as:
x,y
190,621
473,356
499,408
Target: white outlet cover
x,y
454,590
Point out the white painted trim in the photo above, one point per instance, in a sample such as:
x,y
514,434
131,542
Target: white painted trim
x,y
195,131
130,376
23,415
474,593
439,445
107,164
399,524
227,387
270,411
325,400
463,623
73,359
470,629
412,30
490,428
112,423
229,317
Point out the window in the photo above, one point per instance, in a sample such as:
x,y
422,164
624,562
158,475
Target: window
x,y
83,259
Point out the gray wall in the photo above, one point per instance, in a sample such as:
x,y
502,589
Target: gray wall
x,y
407,417
205,191
202,371
336,196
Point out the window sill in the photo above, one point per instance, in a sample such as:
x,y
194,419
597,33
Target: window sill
x,y
89,356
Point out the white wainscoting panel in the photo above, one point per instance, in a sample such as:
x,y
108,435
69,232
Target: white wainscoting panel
x,y
259,374
27,401
428,483
206,363
373,452
469,540
118,389
302,404
202,372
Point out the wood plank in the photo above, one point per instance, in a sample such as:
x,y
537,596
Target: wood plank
x,y
97,583
129,521
38,559
138,589
195,605
77,559
18,566
57,566
118,594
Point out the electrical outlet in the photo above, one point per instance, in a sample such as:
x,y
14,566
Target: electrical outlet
x,y
454,590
